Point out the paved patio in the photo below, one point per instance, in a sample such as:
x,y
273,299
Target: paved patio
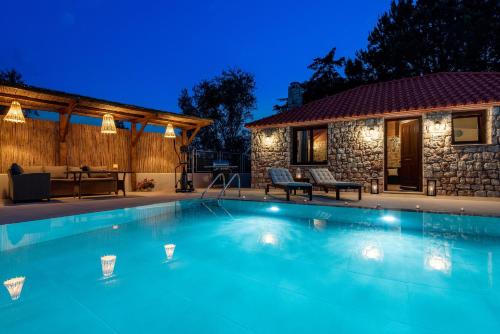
x,y
10,213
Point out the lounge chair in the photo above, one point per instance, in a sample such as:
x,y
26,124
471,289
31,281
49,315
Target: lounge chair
x,y
323,178
281,178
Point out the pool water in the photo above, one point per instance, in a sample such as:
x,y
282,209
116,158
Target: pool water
x,y
253,267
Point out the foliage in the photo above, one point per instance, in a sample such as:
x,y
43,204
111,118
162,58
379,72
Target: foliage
x,y
13,77
146,184
414,38
228,99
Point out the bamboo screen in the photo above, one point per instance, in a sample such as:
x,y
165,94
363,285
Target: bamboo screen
x,y
36,143
32,143
155,154
88,146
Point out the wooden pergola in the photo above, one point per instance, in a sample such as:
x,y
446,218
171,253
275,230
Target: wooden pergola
x,y
67,104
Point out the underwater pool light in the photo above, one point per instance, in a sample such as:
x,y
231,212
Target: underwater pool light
x,y
169,251
274,209
15,286
439,263
269,239
373,252
389,219
108,265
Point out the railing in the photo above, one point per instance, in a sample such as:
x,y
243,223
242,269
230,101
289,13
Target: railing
x,y
213,182
223,191
201,160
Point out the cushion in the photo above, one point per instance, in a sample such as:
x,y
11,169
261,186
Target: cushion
x,y
57,172
280,175
98,168
294,184
322,175
34,169
76,169
15,169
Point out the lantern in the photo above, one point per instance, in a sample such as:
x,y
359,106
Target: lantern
x,y
431,187
15,113
374,186
108,124
169,131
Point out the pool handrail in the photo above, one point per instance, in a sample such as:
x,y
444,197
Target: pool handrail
x,y
223,191
213,182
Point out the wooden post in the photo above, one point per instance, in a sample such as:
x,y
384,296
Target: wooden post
x,y
133,155
64,121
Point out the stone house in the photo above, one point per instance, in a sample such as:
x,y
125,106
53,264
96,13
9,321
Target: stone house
x,y
443,127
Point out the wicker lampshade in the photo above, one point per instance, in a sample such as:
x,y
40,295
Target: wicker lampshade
x,y
15,113
108,124
169,131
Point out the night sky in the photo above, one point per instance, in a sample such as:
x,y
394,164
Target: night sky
x,y
145,52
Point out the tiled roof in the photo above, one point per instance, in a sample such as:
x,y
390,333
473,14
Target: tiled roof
x,y
438,90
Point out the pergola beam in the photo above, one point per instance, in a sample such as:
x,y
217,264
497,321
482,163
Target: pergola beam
x,y
193,135
135,139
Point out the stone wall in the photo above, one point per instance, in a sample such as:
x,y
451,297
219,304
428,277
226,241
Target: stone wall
x,y
356,153
463,170
270,148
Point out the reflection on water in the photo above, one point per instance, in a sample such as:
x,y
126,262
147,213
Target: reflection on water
x,y
169,251
15,286
108,265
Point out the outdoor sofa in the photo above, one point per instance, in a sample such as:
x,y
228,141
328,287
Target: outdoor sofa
x,y
281,178
40,182
323,178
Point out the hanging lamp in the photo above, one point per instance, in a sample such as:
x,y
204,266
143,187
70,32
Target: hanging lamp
x,y
15,113
169,131
108,124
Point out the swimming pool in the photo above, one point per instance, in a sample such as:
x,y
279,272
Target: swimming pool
x,y
252,267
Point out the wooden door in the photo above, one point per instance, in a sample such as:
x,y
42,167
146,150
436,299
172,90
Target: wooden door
x,y
410,155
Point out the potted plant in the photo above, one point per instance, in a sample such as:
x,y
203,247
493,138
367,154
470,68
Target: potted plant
x,y
146,185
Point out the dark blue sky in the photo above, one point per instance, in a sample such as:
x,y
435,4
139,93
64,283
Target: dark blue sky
x,y
145,52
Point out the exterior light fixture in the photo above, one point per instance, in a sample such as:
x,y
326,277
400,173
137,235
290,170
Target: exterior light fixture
x,y
298,173
431,187
15,113
15,286
108,124
169,251
169,131
374,186
108,265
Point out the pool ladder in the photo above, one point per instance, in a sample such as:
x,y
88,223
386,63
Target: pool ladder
x,y
225,185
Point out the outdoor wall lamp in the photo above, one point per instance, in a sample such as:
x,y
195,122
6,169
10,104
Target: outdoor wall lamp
x,y
438,128
108,124
169,132
431,187
15,113
374,186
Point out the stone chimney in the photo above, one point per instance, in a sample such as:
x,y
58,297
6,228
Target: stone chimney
x,y
295,93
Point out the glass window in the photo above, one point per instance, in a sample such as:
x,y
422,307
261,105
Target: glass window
x,y
310,146
467,128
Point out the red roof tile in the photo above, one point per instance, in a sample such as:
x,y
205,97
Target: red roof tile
x,y
438,90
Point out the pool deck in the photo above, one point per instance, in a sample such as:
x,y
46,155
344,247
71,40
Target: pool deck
x,y
10,213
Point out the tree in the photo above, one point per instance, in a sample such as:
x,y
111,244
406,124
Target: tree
x,y
429,36
414,38
13,77
326,79
228,99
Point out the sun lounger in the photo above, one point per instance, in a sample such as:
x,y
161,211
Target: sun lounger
x,y
281,178
323,178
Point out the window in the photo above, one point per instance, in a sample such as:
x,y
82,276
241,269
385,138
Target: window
x,y
310,146
468,127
